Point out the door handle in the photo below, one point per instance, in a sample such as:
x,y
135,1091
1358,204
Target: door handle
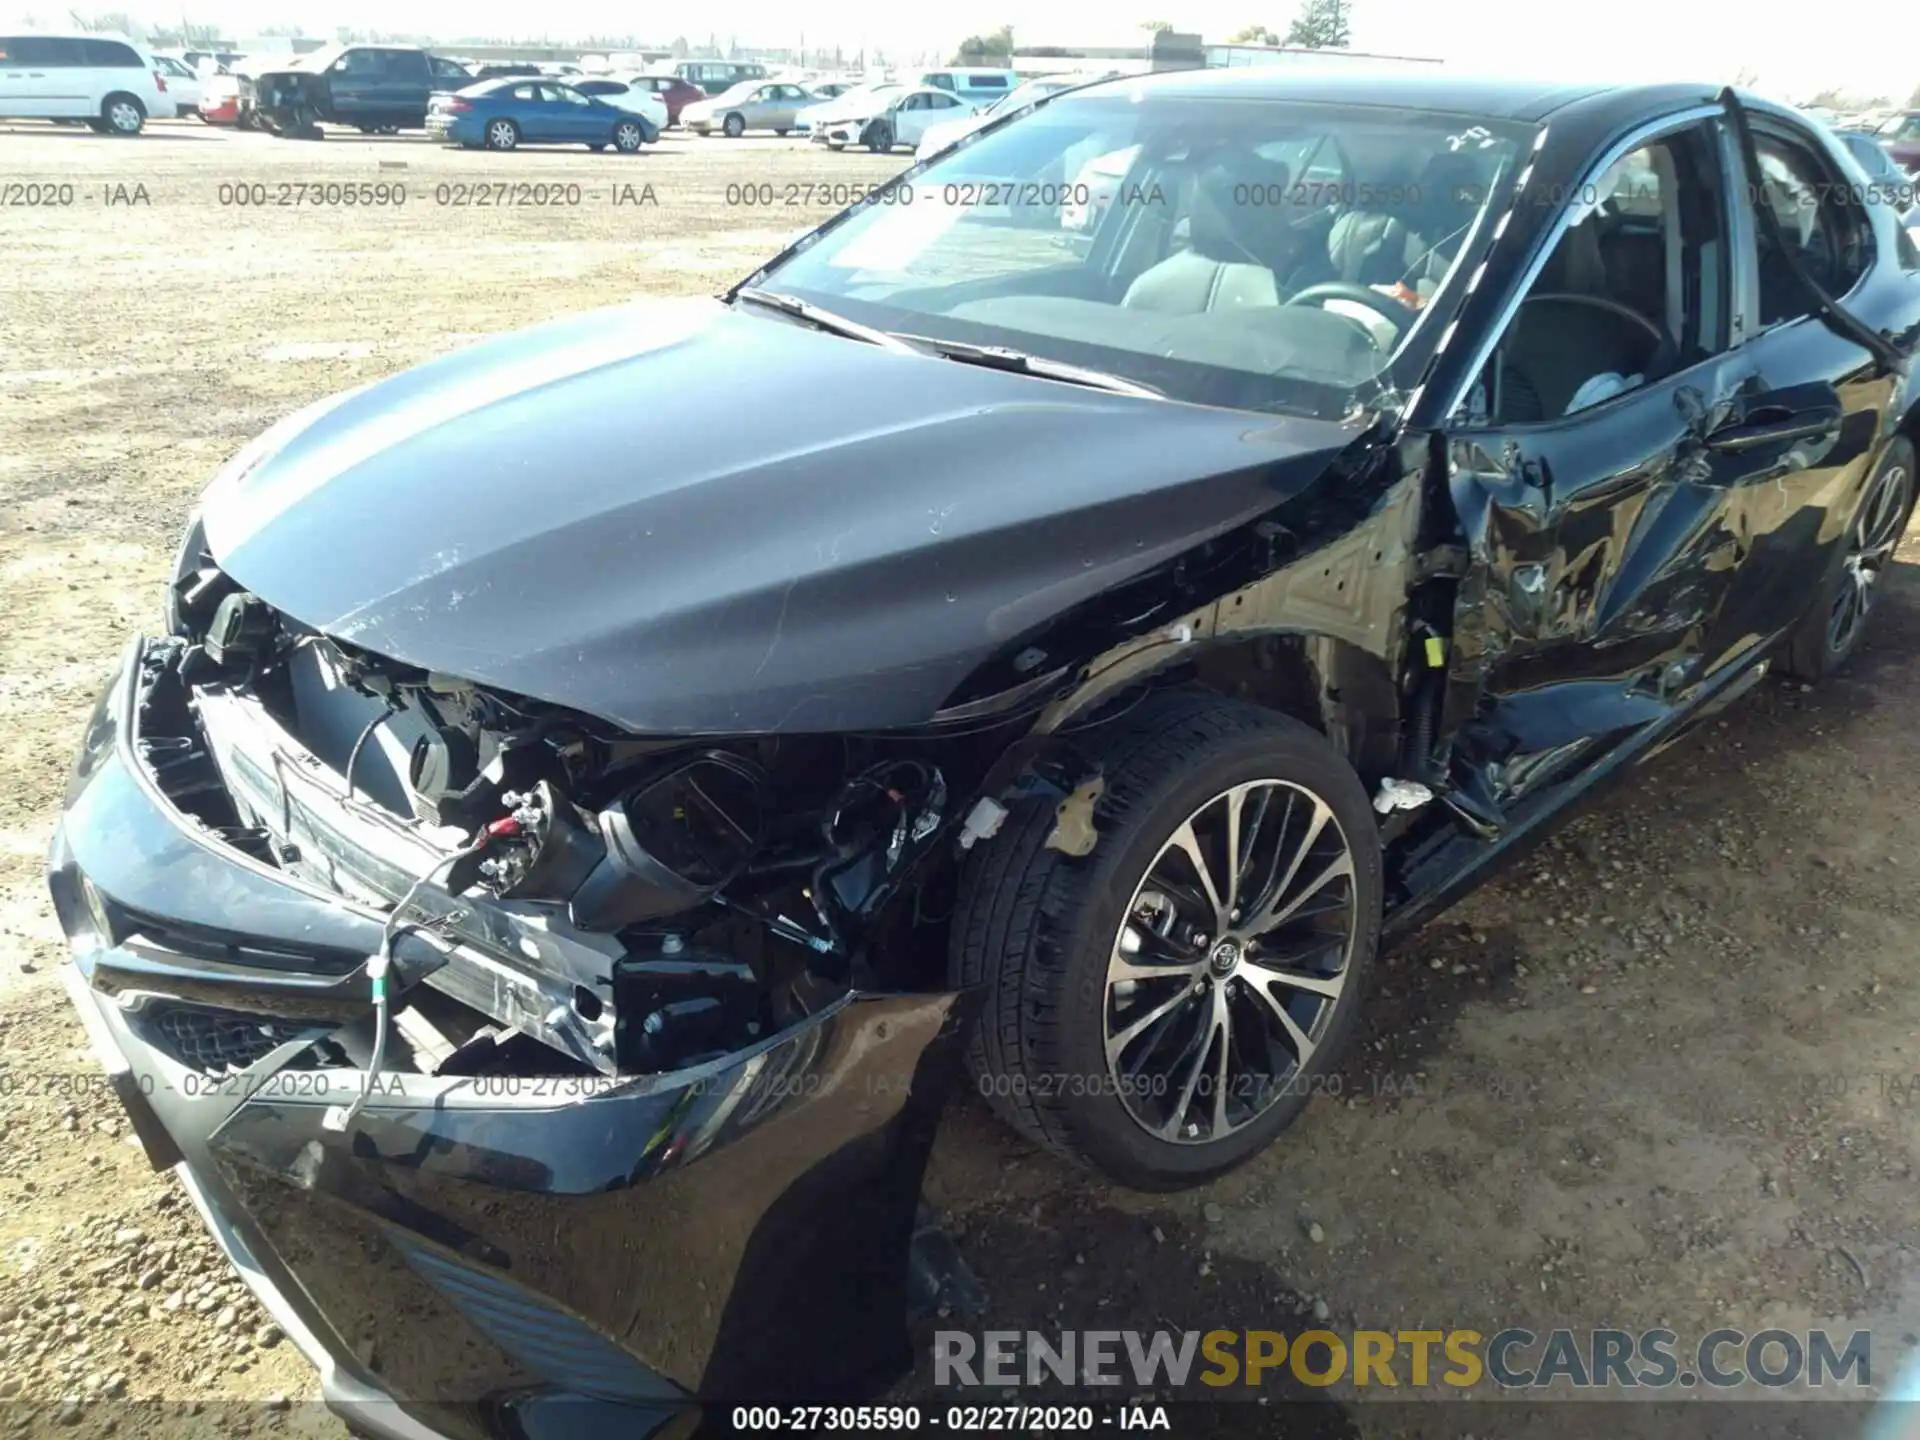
x,y
1765,425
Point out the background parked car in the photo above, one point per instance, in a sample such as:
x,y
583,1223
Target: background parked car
x,y
902,120
752,105
975,85
1901,137
219,60
940,135
674,92
376,88
106,81
183,84
715,77
858,101
503,114
1888,181
638,99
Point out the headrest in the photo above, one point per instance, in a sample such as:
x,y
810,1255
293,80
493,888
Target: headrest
x,y
1242,212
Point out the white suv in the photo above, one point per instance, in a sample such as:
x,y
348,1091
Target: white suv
x,y
108,81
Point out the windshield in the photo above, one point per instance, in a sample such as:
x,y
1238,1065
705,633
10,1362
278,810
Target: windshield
x,y
1250,253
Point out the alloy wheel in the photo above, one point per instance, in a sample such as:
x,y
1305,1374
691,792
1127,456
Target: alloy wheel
x,y
628,137
501,135
124,116
1231,960
1870,545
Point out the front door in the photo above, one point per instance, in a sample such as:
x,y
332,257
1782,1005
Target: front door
x,y
1594,466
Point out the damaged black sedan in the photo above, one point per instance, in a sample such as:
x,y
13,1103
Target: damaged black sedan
x,y
1092,593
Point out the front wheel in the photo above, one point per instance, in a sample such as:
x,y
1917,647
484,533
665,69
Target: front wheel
x,y
502,134
1159,1007
879,137
1833,627
735,126
628,137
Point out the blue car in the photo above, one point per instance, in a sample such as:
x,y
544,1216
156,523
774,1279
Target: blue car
x,y
505,113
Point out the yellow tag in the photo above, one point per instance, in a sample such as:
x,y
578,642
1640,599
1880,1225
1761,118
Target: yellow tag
x,y
1436,651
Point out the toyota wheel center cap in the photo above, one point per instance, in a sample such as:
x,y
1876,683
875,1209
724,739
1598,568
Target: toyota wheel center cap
x,y
1225,956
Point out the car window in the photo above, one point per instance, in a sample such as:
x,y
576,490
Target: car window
x,y
1635,289
567,95
521,92
447,69
987,82
109,54
940,82
1818,224
45,50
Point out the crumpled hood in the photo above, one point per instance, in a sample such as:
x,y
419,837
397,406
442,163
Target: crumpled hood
x,y
689,519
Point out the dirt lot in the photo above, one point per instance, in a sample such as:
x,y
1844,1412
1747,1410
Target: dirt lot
x,y
1665,1072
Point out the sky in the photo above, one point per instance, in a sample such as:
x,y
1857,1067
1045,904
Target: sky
x,y
1792,52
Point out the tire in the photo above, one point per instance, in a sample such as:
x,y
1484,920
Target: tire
x,y
502,134
122,114
99,127
597,147
878,137
1041,932
735,125
629,136
835,146
780,132
1835,623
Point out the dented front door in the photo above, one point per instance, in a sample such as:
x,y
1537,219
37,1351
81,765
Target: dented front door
x,y
1600,557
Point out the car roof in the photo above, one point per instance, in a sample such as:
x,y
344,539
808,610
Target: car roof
x,y
1437,90
30,32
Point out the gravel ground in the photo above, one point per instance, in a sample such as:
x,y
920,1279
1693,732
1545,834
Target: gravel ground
x,y
1664,1071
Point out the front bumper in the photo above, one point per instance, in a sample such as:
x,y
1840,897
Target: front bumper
x,y
490,1255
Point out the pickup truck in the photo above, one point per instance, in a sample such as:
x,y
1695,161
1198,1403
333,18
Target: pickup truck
x,y
377,88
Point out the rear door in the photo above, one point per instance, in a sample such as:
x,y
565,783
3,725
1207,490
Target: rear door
x,y
1599,472
788,101
405,80
1821,394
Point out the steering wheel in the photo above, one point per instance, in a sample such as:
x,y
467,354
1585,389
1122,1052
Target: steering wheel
x,y
1396,313
1664,347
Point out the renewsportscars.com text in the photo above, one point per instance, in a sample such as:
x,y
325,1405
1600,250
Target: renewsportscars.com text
x,y
1510,1359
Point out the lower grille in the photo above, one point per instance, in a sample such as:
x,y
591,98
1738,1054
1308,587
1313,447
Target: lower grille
x,y
214,1041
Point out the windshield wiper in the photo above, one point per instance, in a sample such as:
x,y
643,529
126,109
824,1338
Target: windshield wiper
x,y
810,314
1002,357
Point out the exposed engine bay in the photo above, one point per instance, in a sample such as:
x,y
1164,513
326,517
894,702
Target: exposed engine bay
x,y
628,905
